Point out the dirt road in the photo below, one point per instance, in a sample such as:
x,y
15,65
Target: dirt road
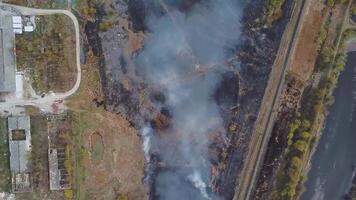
x,y
267,114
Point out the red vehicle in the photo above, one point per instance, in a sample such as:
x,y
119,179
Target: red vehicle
x,y
59,101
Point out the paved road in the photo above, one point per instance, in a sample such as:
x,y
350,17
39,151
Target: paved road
x,y
46,102
267,114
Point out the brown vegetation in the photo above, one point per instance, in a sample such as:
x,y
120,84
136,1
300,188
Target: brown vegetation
x,y
47,54
307,48
120,169
118,172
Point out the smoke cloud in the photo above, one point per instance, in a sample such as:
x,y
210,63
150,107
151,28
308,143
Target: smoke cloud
x,y
179,45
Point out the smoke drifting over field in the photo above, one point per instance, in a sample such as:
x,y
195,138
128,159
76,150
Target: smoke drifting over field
x,y
179,45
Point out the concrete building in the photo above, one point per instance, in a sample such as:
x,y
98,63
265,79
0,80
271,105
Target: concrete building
x,y
20,147
29,23
29,28
7,57
17,19
17,24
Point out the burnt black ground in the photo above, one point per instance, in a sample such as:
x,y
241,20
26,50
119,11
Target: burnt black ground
x,y
255,53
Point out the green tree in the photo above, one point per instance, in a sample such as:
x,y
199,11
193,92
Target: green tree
x,y
323,33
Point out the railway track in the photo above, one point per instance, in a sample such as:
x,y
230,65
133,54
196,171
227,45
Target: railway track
x,y
270,103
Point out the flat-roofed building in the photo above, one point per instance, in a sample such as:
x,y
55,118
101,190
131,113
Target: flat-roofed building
x,y
29,28
20,148
17,26
17,19
7,56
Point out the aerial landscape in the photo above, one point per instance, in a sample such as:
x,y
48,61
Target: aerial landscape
x,y
178,99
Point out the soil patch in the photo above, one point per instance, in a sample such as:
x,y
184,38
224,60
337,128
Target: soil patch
x,y
307,48
97,147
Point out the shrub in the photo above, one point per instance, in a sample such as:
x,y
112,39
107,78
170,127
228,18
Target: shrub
x,y
301,146
321,37
304,136
292,128
68,194
330,3
122,197
340,63
326,56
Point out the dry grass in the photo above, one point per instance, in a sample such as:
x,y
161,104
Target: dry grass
x,y
120,168
306,52
90,87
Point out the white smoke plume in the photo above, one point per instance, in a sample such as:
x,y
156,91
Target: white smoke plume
x,y
178,42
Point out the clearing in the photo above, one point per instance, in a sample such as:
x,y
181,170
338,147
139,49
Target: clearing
x,y
108,160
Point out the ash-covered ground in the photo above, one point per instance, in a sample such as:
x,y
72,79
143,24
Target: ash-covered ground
x,y
190,75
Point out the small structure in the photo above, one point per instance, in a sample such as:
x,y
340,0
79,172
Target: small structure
x,y
29,29
20,147
58,175
19,85
29,23
17,24
16,19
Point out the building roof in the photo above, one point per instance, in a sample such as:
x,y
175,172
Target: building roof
x,y
29,28
19,149
7,57
17,25
17,19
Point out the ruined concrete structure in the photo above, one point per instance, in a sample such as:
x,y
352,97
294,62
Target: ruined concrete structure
x,y
57,173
